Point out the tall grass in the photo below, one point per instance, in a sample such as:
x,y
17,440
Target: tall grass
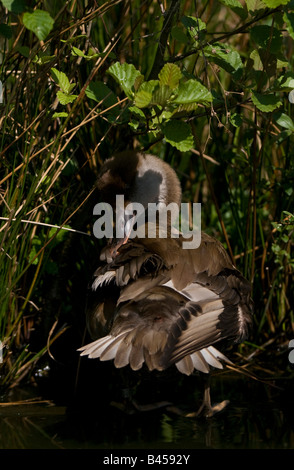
x,y
243,174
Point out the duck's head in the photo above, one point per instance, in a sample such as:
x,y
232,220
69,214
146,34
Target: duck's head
x,y
140,178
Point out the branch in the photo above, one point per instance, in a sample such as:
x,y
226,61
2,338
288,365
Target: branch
x,y
241,29
166,28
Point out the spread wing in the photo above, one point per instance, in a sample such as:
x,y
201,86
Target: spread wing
x,y
145,317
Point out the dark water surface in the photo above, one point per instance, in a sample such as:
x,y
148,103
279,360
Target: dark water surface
x,y
260,416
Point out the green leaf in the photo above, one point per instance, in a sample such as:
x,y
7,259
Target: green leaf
x,y
170,75
285,82
16,6
75,38
24,50
178,34
178,134
57,115
6,30
288,17
64,98
275,3
61,79
142,99
143,96
161,95
236,120
257,62
267,37
192,91
134,124
185,108
126,75
40,22
92,54
78,52
195,26
224,56
98,91
43,59
137,111
284,120
236,6
255,5
266,103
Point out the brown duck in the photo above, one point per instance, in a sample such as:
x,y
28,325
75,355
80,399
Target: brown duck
x,y
155,302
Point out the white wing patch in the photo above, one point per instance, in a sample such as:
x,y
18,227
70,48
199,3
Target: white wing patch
x,y
103,279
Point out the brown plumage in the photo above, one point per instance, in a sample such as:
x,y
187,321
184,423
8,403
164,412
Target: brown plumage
x,y
154,302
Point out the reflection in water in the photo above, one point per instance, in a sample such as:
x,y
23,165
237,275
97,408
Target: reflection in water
x,y
259,416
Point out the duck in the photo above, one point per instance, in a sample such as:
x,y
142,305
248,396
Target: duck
x,y
154,302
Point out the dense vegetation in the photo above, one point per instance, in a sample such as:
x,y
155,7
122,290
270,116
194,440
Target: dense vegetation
x,y
208,86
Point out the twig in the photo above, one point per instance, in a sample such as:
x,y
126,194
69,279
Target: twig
x,y
47,225
213,195
212,160
166,28
239,30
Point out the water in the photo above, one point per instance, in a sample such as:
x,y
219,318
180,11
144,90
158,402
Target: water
x,y
260,415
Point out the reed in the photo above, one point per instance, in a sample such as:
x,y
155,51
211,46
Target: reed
x,y
58,124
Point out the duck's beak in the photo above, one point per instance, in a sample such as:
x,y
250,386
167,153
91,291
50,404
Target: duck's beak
x,y
128,222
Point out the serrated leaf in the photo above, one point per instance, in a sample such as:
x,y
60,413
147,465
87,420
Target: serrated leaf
x,y
275,3
40,22
255,5
64,98
236,7
161,95
126,75
61,79
192,91
288,17
266,103
142,99
267,37
170,75
138,82
178,134
185,108
16,6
